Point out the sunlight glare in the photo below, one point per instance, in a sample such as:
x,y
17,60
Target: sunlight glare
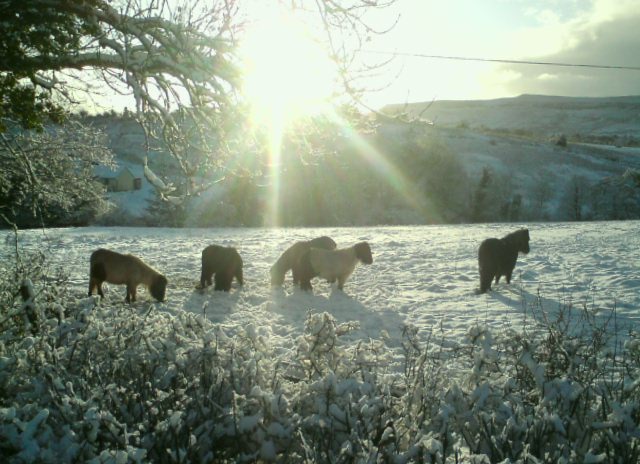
x,y
392,174
286,73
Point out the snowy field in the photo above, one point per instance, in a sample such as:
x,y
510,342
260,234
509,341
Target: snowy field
x,y
424,276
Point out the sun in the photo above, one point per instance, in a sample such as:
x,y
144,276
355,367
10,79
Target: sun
x,y
286,73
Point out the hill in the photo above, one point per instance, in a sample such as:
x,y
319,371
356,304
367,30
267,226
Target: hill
x,y
611,119
511,144
554,152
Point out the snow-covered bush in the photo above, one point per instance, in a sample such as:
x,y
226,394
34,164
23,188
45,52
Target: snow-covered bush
x,y
47,177
103,382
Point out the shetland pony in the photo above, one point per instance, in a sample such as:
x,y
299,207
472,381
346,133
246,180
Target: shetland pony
x,y
331,265
225,263
292,255
115,268
497,257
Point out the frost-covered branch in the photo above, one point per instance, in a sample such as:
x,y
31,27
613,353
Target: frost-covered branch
x,y
176,60
348,28
49,175
166,56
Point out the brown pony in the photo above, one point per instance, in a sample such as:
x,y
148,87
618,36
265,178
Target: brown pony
x,y
497,257
292,255
331,264
115,268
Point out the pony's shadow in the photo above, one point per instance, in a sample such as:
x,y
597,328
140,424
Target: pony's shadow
x,y
295,306
215,305
566,304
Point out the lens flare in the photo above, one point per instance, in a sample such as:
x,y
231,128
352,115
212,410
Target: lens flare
x,y
287,76
286,71
394,177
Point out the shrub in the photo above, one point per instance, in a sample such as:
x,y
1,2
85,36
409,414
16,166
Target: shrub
x,y
561,141
104,382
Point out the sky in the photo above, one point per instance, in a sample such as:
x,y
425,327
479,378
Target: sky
x,y
288,73
602,32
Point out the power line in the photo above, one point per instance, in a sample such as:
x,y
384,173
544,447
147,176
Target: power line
x,y
497,60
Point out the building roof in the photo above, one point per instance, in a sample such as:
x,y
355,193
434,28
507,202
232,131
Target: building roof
x,y
109,173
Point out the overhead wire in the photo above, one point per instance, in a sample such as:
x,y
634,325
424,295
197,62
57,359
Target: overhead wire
x,y
500,60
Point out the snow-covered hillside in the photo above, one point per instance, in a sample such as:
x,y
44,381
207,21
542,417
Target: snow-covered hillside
x,y
422,276
538,114
536,169
515,138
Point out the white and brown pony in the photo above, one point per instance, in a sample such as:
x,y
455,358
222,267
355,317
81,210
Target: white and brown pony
x,y
292,255
332,265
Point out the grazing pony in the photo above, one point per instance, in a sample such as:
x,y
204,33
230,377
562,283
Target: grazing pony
x,y
497,257
292,255
115,268
225,263
331,264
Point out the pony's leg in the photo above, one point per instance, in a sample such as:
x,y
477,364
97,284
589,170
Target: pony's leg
x,y
304,271
100,292
131,293
508,276
223,281
485,282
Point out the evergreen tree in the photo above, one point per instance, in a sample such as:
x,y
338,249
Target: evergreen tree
x,y
481,196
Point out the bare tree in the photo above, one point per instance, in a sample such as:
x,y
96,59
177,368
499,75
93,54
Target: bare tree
x,y
47,177
575,198
541,194
176,58
617,197
348,29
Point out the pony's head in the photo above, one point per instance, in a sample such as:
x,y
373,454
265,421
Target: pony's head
x,y
277,276
363,252
520,240
158,287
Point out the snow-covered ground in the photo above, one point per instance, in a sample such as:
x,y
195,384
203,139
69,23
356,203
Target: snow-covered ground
x,y
421,275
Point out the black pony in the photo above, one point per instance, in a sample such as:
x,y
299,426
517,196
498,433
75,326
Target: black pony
x,y
497,257
225,263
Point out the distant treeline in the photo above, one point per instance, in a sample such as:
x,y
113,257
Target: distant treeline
x,y
413,179
325,176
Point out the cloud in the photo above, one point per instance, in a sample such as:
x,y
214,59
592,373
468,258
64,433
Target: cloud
x,y
605,35
548,77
